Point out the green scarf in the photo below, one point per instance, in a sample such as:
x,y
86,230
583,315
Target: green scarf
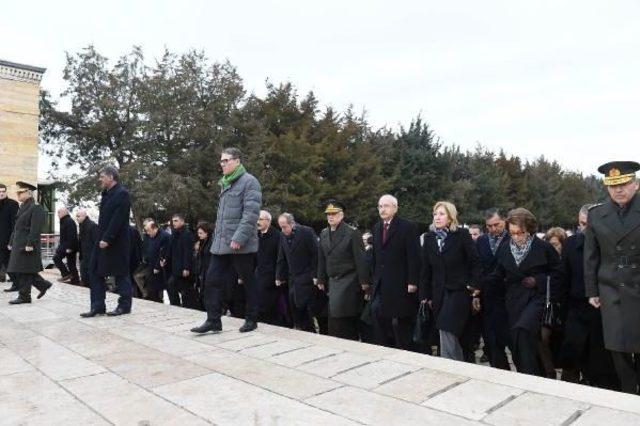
x,y
226,180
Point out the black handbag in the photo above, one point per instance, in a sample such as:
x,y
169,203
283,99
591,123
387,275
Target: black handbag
x,y
550,314
421,329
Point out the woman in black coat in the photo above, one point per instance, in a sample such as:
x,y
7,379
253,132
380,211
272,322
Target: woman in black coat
x,y
202,256
449,279
523,267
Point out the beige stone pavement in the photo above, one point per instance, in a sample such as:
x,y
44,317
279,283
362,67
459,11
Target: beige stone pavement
x,y
146,368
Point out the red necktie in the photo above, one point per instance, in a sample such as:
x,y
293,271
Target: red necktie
x,y
385,228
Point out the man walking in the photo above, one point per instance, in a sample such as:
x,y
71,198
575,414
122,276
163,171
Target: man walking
x,y
67,248
111,254
611,266
235,241
342,272
88,238
396,273
297,268
26,258
266,261
180,264
8,211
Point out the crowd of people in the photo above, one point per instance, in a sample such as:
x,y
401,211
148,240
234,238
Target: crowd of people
x,y
559,305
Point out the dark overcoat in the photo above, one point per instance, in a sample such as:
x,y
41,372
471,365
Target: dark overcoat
x,y
88,239
266,263
298,263
612,272
27,232
445,276
525,305
395,264
8,211
342,269
180,256
113,228
68,234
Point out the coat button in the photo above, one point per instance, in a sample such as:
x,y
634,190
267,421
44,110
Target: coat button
x,y
621,284
619,248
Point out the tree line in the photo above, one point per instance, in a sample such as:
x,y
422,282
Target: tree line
x,y
165,124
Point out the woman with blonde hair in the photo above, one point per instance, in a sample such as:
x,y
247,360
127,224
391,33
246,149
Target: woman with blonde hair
x,y
556,237
450,277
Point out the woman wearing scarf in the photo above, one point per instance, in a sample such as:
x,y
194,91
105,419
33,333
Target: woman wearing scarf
x,y
449,279
523,267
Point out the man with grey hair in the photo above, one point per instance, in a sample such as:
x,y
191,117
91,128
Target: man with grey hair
x,y
266,261
88,238
297,264
235,241
396,272
67,248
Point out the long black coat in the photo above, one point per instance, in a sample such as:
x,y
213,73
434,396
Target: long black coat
x,y
395,264
68,234
525,305
180,256
201,260
135,249
612,272
298,263
113,228
494,310
573,267
266,263
342,269
445,276
8,212
88,239
27,232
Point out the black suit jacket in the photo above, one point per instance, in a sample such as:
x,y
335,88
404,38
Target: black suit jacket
x,y
180,256
8,212
395,264
68,234
113,228
298,263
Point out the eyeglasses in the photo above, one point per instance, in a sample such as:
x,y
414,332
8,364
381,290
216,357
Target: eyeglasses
x,y
224,161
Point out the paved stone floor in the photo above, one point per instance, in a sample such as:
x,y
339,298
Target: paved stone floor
x,y
147,368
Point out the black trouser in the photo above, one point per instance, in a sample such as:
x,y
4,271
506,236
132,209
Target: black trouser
x,y
628,369
70,267
26,281
392,332
5,254
186,290
525,348
85,277
344,328
98,292
221,268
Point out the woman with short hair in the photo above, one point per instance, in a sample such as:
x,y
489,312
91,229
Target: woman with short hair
x,y
450,277
523,267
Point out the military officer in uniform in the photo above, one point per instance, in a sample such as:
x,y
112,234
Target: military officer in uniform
x,y
26,259
612,268
342,272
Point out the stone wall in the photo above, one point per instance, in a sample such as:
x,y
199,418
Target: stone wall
x,y
19,113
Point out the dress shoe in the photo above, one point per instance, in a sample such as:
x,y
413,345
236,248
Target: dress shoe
x,y
64,278
248,326
117,312
44,290
12,288
208,326
92,313
19,301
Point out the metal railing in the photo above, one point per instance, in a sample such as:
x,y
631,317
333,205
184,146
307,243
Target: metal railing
x,y
48,245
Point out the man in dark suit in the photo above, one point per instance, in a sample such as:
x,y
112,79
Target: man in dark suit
x,y
342,272
8,211
88,238
494,313
25,262
180,264
395,265
110,255
582,350
612,265
266,261
67,248
297,265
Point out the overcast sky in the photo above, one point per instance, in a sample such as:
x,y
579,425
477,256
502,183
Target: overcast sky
x,y
554,78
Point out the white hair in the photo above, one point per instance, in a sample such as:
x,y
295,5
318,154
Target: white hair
x,y
391,198
267,214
